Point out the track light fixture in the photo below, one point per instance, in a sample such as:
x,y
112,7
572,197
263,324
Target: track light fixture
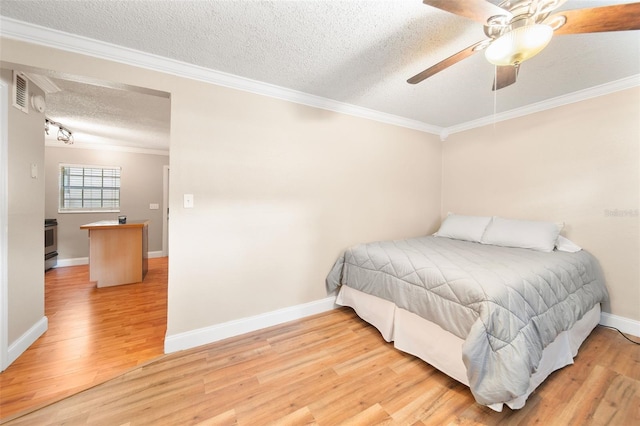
x,y
64,134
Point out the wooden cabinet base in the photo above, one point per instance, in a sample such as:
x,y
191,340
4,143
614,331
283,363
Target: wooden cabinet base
x,y
117,252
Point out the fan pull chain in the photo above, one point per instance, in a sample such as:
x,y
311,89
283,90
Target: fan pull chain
x,y
495,96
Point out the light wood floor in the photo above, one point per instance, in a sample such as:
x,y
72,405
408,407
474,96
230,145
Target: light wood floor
x,y
94,335
333,369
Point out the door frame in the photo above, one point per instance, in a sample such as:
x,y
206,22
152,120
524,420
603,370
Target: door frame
x,y
4,227
165,211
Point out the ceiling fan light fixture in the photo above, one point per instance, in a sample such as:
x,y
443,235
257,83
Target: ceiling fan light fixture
x,y
518,45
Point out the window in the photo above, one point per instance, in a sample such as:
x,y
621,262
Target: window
x,y
89,189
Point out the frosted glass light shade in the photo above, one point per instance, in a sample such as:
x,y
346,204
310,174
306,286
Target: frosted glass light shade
x,y
519,44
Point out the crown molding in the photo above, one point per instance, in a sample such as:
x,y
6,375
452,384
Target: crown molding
x,y
580,95
35,34
22,31
43,82
117,148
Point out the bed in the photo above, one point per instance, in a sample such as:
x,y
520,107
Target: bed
x,y
497,304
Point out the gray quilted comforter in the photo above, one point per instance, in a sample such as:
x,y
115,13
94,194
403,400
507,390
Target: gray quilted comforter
x,y
507,304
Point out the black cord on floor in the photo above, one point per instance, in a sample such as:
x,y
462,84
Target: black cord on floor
x,y
623,335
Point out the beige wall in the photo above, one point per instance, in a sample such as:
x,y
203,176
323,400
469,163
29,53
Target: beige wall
x,y
141,186
280,189
579,164
25,216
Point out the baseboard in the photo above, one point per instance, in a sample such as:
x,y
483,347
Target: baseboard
x,y
61,263
203,336
85,260
623,324
18,347
214,333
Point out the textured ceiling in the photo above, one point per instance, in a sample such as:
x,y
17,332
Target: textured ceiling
x,y
110,115
356,52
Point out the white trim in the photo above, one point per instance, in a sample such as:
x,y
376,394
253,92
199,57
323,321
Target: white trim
x,y
36,34
623,324
76,261
21,344
130,149
4,226
581,95
43,82
61,263
214,333
165,210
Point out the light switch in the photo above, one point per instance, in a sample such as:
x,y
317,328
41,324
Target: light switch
x,y
188,201
34,170
154,206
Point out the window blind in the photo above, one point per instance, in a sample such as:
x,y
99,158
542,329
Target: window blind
x,y
89,189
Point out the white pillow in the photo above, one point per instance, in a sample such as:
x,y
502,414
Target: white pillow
x,y
565,244
459,227
535,235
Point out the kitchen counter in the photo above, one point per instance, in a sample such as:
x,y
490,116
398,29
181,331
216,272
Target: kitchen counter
x,y
117,252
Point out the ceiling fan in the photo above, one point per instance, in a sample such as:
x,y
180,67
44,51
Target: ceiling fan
x,y
520,29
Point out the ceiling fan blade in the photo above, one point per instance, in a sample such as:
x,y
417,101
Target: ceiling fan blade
x,y
451,60
477,10
620,17
505,76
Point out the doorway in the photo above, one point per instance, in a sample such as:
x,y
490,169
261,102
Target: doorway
x,y
90,147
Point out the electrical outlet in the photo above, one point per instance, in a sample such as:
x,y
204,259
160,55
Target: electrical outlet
x,y
154,206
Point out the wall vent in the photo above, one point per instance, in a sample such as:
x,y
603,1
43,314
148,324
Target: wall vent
x,y
20,92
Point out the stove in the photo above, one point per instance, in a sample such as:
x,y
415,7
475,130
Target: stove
x,y
50,243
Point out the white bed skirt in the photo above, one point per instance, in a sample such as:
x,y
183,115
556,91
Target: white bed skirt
x,y
415,335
